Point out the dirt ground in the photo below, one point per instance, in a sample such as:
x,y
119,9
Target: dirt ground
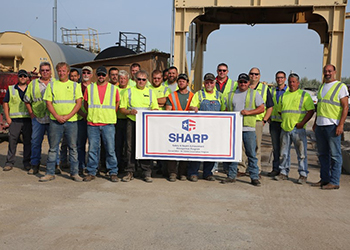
x,y
63,214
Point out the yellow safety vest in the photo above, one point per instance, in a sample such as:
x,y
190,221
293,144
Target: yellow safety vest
x,y
248,120
16,105
121,92
62,102
329,106
262,89
275,115
105,112
292,109
38,104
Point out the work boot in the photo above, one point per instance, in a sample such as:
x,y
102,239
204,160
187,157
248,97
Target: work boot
x,y
172,177
128,177
76,178
7,168
148,179
255,182
34,169
47,178
194,178
302,179
114,178
89,177
57,170
281,177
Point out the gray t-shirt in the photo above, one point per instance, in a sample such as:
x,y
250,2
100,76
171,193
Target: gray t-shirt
x,y
238,102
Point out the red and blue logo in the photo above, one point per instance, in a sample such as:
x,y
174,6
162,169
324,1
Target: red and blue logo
x,y
188,125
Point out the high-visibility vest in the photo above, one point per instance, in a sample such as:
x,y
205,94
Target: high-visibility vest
x,y
292,108
262,89
82,104
121,92
16,105
230,86
175,103
38,104
275,115
105,112
329,106
248,120
61,102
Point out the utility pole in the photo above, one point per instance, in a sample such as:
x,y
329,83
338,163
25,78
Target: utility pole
x,y
54,17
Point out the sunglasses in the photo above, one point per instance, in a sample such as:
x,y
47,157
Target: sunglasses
x,y
222,70
86,73
255,74
142,79
45,70
243,81
101,74
22,76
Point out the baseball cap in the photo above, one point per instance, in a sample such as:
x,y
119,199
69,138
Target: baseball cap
x,y
101,69
23,72
243,76
183,76
87,68
209,76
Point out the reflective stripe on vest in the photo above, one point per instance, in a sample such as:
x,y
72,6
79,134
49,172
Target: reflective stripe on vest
x,y
110,106
165,90
63,101
299,111
248,120
19,106
263,94
329,106
330,101
140,108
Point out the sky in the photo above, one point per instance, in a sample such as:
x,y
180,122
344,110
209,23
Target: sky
x,y
287,47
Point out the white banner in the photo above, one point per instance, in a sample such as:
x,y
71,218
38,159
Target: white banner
x,y
189,136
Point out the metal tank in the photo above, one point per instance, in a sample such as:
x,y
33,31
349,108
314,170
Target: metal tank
x,y
22,51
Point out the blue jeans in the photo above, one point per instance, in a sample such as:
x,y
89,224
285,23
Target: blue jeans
x,y
329,153
107,133
298,137
82,138
58,130
249,141
193,168
275,132
38,132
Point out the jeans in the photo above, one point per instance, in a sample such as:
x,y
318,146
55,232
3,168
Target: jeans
x,y
120,142
58,130
107,132
298,137
38,131
130,151
17,127
249,141
82,138
64,151
193,168
178,170
329,153
275,132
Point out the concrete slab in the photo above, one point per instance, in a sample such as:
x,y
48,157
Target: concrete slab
x,y
63,214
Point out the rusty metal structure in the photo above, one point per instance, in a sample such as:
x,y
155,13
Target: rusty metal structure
x,y
326,17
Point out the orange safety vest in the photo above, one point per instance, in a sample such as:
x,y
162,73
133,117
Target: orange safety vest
x,y
176,105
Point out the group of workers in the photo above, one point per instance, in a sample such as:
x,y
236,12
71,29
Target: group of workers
x,y
104,114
